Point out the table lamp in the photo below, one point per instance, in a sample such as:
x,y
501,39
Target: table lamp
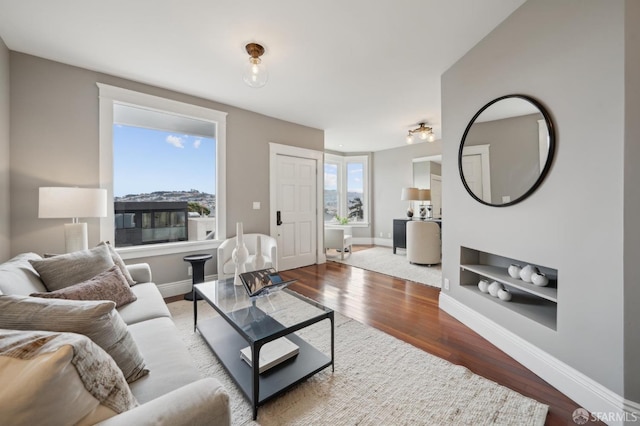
x,y
409,194
424,195
64,203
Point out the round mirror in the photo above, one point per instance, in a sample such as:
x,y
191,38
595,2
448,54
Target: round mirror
x,y
506,150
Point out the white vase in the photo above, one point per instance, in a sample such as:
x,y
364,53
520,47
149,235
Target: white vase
x,y
514,270
494,287
259,260
526,273
240,254
504,294
483,286
539,279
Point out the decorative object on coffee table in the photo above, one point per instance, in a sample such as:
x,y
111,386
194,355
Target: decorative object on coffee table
x,y
240,254
197,270
258,260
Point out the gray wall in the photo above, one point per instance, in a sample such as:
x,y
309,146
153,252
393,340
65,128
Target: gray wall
x,y
513,152
632,202
569,55
54,141
392,171
5,224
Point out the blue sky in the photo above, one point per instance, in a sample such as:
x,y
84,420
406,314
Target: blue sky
x,y
146,160
354,177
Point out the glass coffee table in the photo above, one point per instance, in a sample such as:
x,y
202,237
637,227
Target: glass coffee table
x,y
253,322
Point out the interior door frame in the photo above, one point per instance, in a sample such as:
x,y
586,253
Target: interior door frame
x,y
276,149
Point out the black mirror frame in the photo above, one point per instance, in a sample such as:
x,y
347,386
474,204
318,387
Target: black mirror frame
x,y
547,166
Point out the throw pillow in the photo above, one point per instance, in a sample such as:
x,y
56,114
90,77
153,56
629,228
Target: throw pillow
x,y
109,285
98,320
119,262
72,268
58,378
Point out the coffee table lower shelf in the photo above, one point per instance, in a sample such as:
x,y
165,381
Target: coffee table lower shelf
x,y
225,342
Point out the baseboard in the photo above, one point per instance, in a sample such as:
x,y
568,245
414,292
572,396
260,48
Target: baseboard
x,y
386,242
597,399
179,287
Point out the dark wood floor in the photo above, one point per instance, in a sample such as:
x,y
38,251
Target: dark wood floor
x,y
410,312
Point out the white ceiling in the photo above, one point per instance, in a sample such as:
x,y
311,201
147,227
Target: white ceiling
x,y
365,71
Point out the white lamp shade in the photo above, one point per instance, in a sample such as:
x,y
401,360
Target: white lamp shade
x,y
424,194
409,194
63,202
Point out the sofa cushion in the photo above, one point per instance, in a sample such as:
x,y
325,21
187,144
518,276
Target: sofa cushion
x,y
117,260
97,320
148,306
166,356
58,378
67,269
109,285
17,276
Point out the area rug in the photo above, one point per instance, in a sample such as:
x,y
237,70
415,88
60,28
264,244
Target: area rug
x,y
378,380
382,260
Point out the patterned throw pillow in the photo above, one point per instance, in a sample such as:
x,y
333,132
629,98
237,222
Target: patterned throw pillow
x,y
58,378
119,262
72,268
109,285
98,320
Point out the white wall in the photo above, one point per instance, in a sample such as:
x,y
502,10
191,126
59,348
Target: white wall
x,y
569,55
5,224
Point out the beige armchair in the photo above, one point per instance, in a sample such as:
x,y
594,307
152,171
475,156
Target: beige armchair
x,y
269,246
338,238
423,242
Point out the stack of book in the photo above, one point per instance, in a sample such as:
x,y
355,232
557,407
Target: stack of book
x,y
272,353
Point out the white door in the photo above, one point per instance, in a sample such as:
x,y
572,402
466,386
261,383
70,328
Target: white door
x,y
436,195
472,170
296,204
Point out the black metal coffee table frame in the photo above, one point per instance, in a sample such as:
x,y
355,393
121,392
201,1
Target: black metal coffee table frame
x,y
226,337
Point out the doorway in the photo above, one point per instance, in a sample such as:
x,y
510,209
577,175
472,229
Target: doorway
x,y
295,194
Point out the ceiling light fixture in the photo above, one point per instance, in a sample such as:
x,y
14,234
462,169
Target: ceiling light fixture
x,y
255,73
425,133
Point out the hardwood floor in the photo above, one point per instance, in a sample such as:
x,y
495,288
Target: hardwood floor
x,y
410,312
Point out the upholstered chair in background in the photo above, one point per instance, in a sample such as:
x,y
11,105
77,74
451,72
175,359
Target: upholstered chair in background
x,y
423,242
338,238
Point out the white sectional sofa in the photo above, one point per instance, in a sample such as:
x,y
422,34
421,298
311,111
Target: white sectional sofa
x,y
172,393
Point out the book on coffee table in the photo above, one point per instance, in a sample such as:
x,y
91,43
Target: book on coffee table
x,y
272,353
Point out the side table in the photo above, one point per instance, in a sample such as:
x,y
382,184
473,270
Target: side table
x,y
197,271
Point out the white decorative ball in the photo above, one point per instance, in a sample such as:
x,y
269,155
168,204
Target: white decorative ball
x,y
526,273
494,287
504,295
483,285
539,279
514,270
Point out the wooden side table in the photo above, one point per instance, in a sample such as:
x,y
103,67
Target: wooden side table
x,y
197,270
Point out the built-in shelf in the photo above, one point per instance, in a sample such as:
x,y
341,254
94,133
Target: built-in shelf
x,y
501,275
537,303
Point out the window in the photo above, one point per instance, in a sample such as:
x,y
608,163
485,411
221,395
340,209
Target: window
x,y
164,161
346,189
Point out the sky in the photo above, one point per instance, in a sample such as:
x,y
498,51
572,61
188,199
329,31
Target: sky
x,y
147,160
354,177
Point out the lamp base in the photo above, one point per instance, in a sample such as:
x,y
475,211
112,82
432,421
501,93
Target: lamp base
x,y
75,237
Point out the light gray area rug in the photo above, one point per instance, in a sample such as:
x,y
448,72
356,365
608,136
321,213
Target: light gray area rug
x,y
381,259
378,380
